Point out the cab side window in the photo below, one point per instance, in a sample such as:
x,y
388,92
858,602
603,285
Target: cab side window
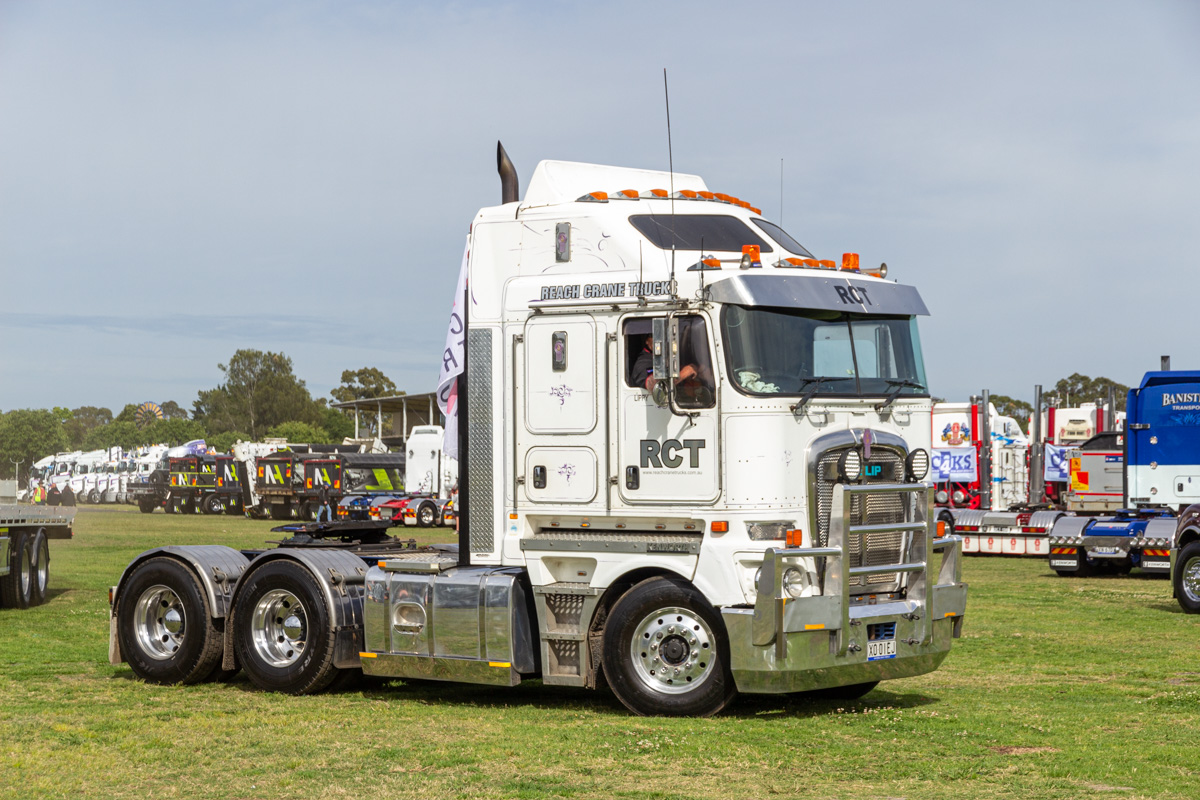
x,y
696,386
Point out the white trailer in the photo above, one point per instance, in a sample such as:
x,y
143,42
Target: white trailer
x,y
694,462
25,532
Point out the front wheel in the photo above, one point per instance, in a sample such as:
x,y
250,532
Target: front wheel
x,y
94,497
164,624
212,504
665,651
282,632
146,505
1187,578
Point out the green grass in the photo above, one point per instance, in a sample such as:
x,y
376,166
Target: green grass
x,y
1058,688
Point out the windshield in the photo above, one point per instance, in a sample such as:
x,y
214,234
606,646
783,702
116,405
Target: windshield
x,y
780,235
794,352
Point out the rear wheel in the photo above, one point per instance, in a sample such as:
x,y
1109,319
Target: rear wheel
x,y
282,632
212,504
665,651
1187,578
165,626
94,497
16,588
233,505
40,548
309,510
147,505
1084,569
426,514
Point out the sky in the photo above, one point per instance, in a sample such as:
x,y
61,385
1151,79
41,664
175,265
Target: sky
x,y
181,180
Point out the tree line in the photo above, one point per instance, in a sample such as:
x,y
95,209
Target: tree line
x,y
260,396
1069,392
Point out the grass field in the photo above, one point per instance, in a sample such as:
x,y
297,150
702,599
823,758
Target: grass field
x,y
1059,688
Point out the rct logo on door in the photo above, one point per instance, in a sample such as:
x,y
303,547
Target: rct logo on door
x,y
667,454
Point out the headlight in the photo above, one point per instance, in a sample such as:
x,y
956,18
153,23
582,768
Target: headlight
x,y
918,464
793,582
850,465
941,496
761,531
757,575
959,497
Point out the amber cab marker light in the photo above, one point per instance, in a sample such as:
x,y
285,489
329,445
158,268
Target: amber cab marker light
x,y
850,261
720,527
751,256
795,538
629,193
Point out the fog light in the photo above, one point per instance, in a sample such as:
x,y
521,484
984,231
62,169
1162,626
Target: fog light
x,y
959,497
793,582
941,496
850,465
918,464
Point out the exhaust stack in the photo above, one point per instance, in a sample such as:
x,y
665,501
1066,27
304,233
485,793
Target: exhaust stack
x,y
509,187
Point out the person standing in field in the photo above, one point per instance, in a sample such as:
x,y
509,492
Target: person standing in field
x,y
323,503
68,496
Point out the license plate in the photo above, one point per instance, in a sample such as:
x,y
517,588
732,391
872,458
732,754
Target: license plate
x,y
1106,551
880,650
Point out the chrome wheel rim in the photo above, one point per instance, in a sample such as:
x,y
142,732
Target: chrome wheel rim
x,y
26,573
1191,579
673,651
160,622
41,571
279,628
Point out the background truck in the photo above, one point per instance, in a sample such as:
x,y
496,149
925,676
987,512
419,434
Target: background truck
x,y
288,483
681,482
1161,459
25,532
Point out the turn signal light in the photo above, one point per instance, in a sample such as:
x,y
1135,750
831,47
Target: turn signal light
x,y
941,529
719,527
795,538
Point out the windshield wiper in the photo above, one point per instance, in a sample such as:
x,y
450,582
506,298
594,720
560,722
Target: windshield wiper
x,y
798,408
897,384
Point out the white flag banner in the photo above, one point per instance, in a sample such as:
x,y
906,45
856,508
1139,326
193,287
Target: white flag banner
x,y
453,360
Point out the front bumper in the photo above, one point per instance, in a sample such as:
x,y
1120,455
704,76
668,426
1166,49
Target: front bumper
x,y
787,644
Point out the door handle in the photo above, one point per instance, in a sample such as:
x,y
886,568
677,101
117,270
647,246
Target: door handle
x,y
632,478
539,477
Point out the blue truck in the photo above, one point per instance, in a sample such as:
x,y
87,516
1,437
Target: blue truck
x,y
1161,446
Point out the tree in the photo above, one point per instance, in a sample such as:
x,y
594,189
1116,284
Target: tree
x,y
365,384
1011,407
300,433
259,392
83,421
171,410
1072,391
338,425
117,432
27,435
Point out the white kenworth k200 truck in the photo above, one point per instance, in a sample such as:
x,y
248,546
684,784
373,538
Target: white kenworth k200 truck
x,y
692,464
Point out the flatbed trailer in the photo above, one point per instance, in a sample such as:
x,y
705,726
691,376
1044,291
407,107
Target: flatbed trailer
x,y
25,551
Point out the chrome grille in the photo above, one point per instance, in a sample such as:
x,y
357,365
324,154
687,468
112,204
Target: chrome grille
x,y
881,548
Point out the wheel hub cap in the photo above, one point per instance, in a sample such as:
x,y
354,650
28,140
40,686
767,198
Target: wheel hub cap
x,y
673,651
159,622
1191,579
279,628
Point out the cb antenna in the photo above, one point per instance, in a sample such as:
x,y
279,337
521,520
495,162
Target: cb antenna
x,y
671,167
781,192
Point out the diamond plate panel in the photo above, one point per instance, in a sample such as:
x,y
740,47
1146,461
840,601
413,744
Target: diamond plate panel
x,y
480,421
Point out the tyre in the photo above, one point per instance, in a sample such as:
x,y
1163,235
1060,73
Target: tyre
x,y
187,505
1186,579
146,505
427,514
280,511
665,651
211,504
94,497
1084,570
165,626
282,634
40,574
16,588
308,511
